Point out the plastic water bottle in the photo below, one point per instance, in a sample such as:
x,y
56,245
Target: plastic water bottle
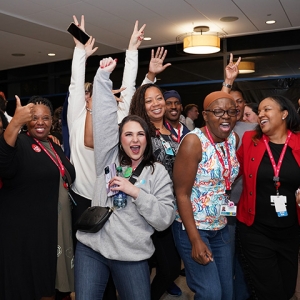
x,y
120,199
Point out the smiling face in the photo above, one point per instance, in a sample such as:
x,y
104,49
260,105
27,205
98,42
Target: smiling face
x,y
249,115
133,141
40,125
240,104
155,104
173,109
271,117
220,127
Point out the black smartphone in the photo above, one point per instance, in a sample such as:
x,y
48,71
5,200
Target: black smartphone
x,y
79,34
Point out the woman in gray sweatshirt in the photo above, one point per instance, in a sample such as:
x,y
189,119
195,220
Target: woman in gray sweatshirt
x,y
124,244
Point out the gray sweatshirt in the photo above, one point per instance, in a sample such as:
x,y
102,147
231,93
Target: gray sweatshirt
x,y
127,234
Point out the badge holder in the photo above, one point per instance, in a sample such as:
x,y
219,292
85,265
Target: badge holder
x,y
279,201
229,208
167,147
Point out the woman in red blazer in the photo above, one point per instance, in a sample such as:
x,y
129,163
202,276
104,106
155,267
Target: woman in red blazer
x,y
268,214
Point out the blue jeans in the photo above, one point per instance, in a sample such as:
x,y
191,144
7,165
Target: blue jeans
x,y
214,280
132,278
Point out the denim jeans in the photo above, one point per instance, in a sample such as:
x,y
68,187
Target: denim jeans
x,y
132,278
214,280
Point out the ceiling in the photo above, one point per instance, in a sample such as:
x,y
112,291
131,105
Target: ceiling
x,y
38,27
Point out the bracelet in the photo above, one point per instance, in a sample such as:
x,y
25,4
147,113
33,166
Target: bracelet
x,y
89,110
227,85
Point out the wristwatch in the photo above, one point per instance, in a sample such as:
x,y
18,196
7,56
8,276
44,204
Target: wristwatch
x,y
227,85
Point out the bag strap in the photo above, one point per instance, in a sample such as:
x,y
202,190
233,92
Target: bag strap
x,y
136,173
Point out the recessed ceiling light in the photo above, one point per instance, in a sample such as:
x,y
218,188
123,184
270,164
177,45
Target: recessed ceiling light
x,y
18,54
51,54
229,19
148,38
270,22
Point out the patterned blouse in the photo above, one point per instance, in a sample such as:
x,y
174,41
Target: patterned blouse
x,y
208,192
160,153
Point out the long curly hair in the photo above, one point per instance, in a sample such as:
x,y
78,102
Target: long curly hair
x,y
292,119
148,156
137,106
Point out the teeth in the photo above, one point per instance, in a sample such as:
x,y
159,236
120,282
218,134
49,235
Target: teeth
x,y
157,111
263,121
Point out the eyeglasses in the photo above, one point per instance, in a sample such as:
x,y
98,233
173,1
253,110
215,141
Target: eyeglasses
x,y
221,112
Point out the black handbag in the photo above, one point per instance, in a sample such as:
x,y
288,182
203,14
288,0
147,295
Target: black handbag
x,y
93,218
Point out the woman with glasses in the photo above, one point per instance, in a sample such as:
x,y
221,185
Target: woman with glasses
x,y
204,169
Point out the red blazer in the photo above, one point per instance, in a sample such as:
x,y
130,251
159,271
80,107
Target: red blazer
x,y
250,155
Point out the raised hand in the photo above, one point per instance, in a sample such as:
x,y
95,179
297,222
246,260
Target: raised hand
x,y
89,50
81,26
108,64
136,37
232,70
156,65
117,92
23,114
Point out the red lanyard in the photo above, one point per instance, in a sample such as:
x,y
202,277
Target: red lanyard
x,y
226,171
58,161
178,134
277,167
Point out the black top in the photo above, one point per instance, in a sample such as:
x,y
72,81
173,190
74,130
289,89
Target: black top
x,y
160,153
266,218
28,219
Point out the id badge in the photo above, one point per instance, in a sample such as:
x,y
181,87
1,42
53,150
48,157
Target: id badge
x,y
280,205
168,148
227,210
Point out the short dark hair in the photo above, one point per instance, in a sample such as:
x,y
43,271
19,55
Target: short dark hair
x,y
292,119
148,156
253,106
236,89
40,100
188,107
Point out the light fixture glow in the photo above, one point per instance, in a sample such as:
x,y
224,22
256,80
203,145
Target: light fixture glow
x,y
51,54
147,38
201,44
270,22
246,67
198,43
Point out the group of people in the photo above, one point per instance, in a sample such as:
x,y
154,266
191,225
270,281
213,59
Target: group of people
x,y
223,198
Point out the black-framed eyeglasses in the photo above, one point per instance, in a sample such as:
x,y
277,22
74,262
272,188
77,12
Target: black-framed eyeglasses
x,y
221,112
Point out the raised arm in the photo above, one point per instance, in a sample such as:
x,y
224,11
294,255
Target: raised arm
x,y
23,114
130,71
185,168
105,125
76,100
231,72
156,65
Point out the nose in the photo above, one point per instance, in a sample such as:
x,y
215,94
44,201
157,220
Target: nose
x,y
135,138
244,118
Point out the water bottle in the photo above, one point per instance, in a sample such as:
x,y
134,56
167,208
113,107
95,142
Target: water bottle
x,y
120,199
